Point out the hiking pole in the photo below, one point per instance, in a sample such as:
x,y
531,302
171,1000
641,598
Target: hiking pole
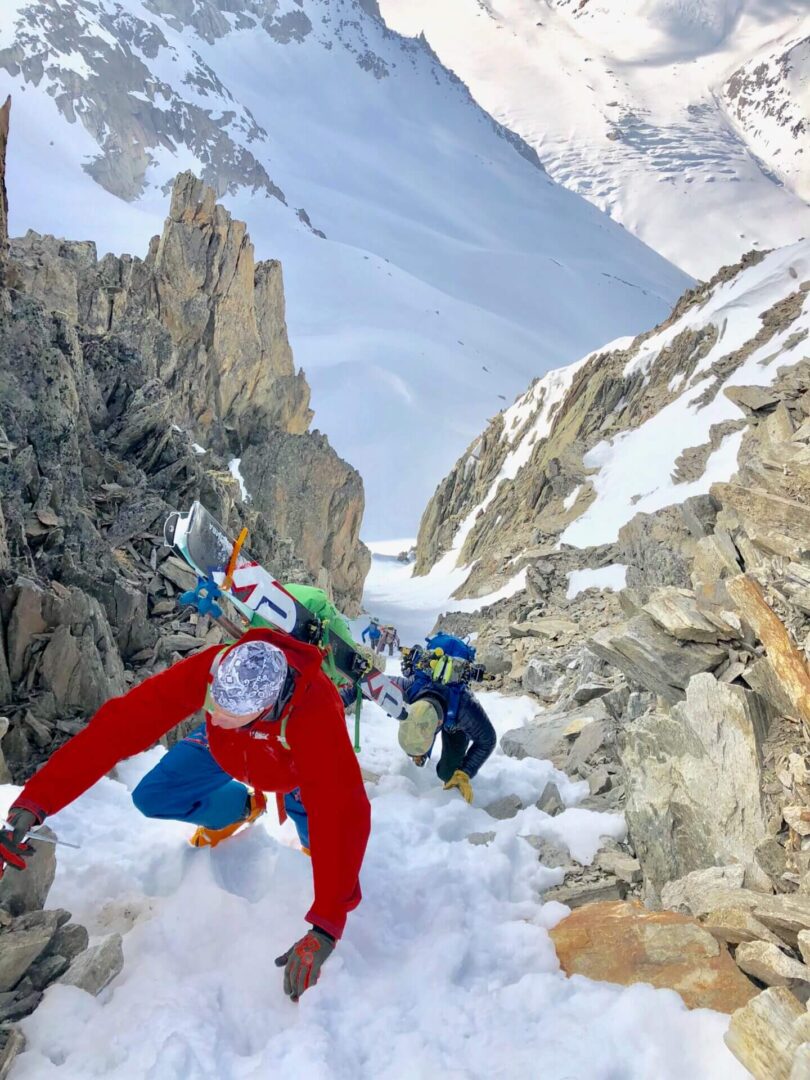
x,y
51,840
31,835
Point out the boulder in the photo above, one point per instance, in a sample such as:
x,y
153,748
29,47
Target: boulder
x,y
22,942
735,925
761,1034
69,940
93,969
550,801
677,612
550,627
587,691
549,853
693,782
542,738
481,838
689,893
770,965
27,890
586,891
505,807
701,893
766,1034
592,742
649,656
752,399
716,558
766,510
12,1043
543,679
621,865
624,943
599,780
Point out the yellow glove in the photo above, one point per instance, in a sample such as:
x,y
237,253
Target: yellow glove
x,y
461,781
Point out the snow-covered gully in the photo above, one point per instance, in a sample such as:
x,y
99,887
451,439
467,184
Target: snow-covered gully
x,y
446,968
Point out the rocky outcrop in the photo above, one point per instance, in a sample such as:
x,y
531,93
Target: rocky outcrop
x,y
693,780
110,371
675,674
205,318
623,943
200,329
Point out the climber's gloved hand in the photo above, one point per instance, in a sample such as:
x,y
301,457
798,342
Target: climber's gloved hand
x,y
13,848
303,962
460,780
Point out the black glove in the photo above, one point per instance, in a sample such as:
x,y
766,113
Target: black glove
x,y
303,962
13,848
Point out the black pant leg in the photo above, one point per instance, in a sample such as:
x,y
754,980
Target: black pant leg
x,y
454,747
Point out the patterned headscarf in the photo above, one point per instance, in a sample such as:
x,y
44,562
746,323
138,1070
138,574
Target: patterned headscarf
x,y
250,678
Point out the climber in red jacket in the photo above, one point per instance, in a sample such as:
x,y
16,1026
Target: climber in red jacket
x,y
275,722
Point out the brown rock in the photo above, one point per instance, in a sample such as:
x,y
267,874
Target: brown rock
x,y
788,663
624,943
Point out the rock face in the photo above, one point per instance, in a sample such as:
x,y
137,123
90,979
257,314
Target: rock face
x,y
693,781
767,1034
623,943
687,625
203,325
109,372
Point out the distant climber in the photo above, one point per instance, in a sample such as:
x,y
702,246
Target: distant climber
x,y
374,634
274,722
388,638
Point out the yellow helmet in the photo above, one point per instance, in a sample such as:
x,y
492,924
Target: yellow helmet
x,y
418,730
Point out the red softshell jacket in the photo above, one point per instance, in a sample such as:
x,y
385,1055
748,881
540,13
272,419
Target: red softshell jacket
x,y
320,760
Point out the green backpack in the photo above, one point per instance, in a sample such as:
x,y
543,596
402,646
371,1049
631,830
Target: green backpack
x,y
316,601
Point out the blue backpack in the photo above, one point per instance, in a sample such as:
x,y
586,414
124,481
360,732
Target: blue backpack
x,y
451,646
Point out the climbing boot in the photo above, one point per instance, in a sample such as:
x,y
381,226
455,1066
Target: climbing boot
x,y
205,837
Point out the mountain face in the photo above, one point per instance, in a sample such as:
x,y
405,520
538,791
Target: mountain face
x,y
635,528
431,265
687,122
627,431
99,425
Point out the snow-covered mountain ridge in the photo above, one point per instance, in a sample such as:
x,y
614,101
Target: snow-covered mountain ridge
x,y
677,118
631,429
447,249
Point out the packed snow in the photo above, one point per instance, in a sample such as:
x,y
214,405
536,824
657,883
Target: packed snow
x,y
446,968
453,270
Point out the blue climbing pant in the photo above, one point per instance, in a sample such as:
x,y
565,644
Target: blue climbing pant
x,y
187,784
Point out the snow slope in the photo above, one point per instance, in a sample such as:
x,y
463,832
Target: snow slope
x,y
658,429
446,968
453,269
681,118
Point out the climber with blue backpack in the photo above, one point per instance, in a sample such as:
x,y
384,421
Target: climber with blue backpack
x,y
436,684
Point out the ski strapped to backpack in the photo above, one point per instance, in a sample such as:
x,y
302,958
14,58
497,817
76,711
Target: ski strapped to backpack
x,y
226,572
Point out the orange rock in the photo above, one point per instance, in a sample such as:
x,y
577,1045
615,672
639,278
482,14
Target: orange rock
x,y
623,942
